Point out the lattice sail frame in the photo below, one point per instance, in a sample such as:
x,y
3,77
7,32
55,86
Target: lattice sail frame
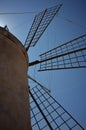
x,y
39,25
66,56
48,114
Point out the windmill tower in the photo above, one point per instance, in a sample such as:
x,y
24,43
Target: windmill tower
x,y
41,111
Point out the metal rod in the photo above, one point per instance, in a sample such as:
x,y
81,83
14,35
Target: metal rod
x,y
40,61
35,31
41,111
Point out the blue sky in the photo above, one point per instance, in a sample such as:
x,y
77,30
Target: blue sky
x,y
67,86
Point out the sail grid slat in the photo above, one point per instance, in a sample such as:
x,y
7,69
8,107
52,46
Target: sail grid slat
x,y
39,25
48,114
66,56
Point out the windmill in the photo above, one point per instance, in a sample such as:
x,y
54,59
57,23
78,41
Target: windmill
x,y
45,112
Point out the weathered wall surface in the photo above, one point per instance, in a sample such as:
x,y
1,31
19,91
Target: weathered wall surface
x,y
14,103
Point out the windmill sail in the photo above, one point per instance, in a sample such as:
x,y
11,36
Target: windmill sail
x,y
47,113
69,55
39,25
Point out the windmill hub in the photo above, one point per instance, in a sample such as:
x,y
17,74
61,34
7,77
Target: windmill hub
x,y
14,104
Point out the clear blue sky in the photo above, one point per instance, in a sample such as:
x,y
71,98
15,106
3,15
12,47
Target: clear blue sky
x,y
67,86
